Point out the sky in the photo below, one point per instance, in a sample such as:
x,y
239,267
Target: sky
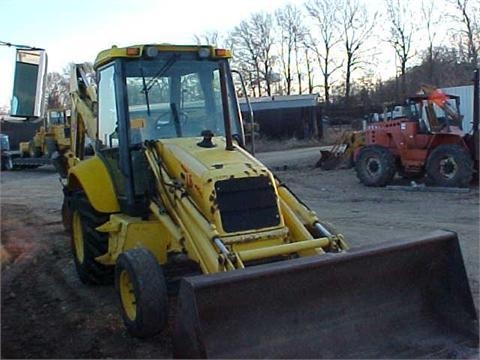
x,y
75,31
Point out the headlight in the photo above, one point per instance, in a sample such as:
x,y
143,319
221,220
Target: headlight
x,y
151,51
204,53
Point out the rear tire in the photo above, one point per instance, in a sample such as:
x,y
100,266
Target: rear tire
x,y
87,243
142,289
66,214
33,150
7,163
375,165
449,165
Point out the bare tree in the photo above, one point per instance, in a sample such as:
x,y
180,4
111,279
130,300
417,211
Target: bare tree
x,y
286,20
467,14
308,64
216,39
264,27
247,55
292,31
430,21
253,47
57,91
290,22
297,46
357,28
207,38
402,27
324,13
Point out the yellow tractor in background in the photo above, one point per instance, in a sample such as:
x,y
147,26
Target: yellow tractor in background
x,y
53,136
50,141
172,200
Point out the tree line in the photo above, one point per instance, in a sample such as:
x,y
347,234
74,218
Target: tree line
x,y
334,47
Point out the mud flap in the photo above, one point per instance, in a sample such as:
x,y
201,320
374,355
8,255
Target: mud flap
x,y
402,299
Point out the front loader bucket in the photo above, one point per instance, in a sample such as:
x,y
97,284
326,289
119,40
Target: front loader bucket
x,y
403,299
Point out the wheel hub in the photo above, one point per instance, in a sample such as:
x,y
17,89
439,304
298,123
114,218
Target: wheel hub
x,y
448,167
373,166
127,295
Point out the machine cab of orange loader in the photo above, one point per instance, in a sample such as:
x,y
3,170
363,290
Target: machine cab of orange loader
x,y
422,116
438,113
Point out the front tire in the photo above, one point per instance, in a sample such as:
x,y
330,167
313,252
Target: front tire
x,y
375,165
449,165
88,243
142,290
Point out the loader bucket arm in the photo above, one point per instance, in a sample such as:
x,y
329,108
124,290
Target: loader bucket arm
x,y
402,299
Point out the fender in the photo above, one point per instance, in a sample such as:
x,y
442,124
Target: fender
x,y
92,176
454,137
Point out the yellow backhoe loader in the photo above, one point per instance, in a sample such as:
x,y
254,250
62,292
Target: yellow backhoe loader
x,y
49,141
172,198
52,136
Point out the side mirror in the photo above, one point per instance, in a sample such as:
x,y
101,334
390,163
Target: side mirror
x,y
28,99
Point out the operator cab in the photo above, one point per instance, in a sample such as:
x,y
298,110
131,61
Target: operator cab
x,y
435,113
155,92
165,94
180,101
57,117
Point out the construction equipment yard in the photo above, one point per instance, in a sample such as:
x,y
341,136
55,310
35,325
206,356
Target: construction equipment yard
x,y
48,313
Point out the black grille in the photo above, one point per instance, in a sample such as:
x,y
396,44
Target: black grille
x,y
247,203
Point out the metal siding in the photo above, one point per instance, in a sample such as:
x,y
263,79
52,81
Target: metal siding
x,y
466,104
279,102
286,116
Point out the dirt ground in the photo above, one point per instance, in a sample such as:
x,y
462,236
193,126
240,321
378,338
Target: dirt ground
x,y
46,312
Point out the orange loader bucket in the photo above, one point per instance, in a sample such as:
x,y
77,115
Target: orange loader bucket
x,y
402,299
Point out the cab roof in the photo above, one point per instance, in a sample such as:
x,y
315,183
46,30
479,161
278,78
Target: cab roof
x,y
138,51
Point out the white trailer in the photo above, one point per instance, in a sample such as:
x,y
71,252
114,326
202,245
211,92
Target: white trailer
x,y
466,104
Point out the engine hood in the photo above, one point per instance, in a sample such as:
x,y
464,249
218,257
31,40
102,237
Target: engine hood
x,y
183,157
230,187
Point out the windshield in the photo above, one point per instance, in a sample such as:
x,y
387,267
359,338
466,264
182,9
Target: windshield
x,y
175,96
56,117
437,115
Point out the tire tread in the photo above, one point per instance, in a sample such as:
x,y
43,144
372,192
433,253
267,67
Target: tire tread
x,y
151,292
385,157
95,243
